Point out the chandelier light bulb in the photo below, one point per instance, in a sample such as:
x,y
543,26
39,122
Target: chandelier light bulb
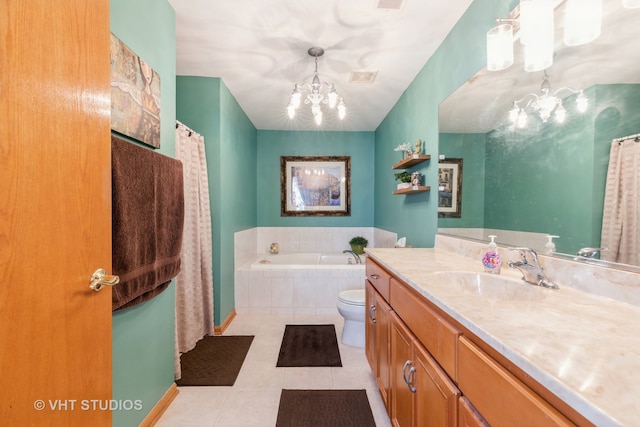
x,y
513,113
291,111
342,110
318,118
332,96
560,113
296,96
582,102
521,122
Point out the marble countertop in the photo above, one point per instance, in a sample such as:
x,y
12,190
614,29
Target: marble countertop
x,y
582,347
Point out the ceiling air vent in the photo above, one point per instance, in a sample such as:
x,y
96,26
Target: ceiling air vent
x,y
362,76
390,4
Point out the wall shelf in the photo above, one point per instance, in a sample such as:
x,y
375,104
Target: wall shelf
x,y
411,161
411,190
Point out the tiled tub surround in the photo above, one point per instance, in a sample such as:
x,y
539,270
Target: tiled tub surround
x,y
583,347
297,288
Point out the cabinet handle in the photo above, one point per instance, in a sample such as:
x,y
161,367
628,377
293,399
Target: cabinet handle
x,y
404,371
410,378
372,309
374,276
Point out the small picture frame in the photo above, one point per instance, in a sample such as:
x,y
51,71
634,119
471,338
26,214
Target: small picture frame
x,y
450,188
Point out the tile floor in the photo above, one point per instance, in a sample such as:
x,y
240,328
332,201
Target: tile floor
x,y
253,399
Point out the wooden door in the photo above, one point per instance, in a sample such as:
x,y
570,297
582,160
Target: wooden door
x,y
401,362
436,397
55,212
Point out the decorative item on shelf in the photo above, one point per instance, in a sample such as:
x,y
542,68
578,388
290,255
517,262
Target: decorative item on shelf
x,y
405,179
274,248
416,180
404,148
358,244
418,149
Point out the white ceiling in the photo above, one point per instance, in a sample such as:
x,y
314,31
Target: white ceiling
x,y
259,49
485,99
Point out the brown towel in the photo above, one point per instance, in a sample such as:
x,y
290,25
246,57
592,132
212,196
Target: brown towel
x,y
148,216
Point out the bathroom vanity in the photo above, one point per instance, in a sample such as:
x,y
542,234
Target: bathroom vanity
x,y
450,346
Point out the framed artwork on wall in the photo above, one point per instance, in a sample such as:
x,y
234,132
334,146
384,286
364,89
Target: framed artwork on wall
x,y
135,95
315,185
449,188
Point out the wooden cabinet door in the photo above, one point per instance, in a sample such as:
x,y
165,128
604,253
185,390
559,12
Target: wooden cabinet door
x,y
468,416
436,397
370,326
401,363
55,212
383,351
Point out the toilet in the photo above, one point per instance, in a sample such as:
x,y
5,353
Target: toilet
x,y
351,307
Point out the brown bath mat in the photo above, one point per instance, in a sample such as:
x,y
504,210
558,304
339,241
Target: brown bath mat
x,y
324,408
309,345
214,361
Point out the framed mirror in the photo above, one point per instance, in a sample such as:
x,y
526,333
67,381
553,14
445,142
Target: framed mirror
x,y
546,178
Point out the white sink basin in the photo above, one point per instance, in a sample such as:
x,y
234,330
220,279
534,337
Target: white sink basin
x,y
488,285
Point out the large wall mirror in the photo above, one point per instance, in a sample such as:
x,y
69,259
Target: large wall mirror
x,y
545,178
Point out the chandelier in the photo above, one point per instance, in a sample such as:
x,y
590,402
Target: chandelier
x,y
546,103
316,93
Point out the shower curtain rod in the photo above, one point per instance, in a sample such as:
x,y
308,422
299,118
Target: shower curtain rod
x,y
179,123
624,138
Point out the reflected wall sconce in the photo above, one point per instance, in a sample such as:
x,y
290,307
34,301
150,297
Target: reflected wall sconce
x,y
316,93
545,104
533,23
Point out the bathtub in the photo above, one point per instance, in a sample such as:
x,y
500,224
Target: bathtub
x,y
296,283
311,260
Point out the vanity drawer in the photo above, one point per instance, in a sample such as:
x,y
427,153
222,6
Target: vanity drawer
x,y
378,277
436,334
501,398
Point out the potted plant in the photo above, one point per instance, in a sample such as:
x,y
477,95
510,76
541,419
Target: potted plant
x,y
358,244
404,178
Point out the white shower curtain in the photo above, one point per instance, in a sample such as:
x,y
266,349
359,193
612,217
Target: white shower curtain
x,y
621,219
194,283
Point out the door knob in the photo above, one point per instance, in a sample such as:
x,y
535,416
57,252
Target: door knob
x,y
100,279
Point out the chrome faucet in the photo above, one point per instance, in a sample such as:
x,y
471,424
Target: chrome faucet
x,y
355,256
590,252
531,272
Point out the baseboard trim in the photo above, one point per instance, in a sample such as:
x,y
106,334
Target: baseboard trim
x,y
154,416
219,330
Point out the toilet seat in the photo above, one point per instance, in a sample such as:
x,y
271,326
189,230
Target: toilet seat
x,y
352,297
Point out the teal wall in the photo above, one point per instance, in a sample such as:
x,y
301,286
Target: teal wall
x,y
415,116
143,336
469,147
358,145
205,105
542,162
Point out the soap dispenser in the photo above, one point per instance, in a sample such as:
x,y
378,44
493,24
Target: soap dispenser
x,y
550,247
491,259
